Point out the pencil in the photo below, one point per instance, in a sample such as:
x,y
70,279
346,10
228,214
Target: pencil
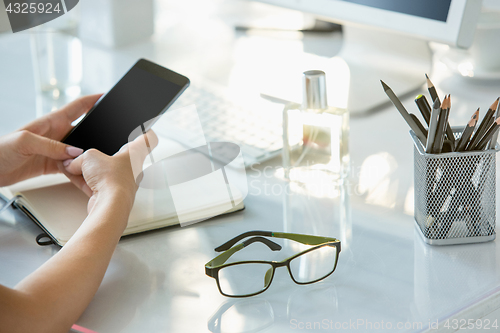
x,y
490,122
409,120
492,119
481,129
441,128
424,107
433,122
419,124
487,137
449,131
432,89
494,138
467,132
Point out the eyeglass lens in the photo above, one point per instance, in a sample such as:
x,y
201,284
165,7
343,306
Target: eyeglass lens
x,y
245,278
313,265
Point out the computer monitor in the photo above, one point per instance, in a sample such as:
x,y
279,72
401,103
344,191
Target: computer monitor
x,y
447,21
387,39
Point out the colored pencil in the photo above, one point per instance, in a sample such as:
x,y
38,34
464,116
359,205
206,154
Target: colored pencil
x,y
424,107
492,119
409,120
449,131
467,132
494,138
419,124
487,136
441,128
432,89
432,127
481,129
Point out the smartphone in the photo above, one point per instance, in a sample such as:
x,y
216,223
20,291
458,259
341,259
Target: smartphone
x,y
146,91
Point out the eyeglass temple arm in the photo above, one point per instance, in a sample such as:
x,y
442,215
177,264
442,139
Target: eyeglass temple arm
x,y
227,245
304,239
222,258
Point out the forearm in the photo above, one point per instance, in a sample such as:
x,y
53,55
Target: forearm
x,y
53,297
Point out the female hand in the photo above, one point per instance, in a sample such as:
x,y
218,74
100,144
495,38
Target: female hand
x,y
36,148
101,176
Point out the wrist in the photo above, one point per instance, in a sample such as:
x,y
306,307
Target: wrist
x,y
109,213
115,200
113,206
118,195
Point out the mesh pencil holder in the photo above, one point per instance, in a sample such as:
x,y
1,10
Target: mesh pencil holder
x,y
455,195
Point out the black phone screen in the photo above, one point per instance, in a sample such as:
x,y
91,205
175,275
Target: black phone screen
x,y
142,94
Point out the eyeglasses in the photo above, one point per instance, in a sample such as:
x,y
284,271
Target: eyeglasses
x,y
249,278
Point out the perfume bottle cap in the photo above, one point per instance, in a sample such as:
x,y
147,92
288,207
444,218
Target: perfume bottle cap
x,y
314,90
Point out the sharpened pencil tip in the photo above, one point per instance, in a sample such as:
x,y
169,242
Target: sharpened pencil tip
x,y
427,76
430,85
494,105
386,87
473,119
445,104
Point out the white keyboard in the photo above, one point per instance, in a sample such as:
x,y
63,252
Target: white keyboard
x,y
257,130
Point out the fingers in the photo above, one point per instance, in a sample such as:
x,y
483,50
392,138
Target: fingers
x,y
149,139
29,144
77,180
80,106
74,166
141,147
40,126
152,138
66,115
73,169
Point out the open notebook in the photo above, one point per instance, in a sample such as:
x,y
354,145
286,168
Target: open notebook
x,y
59,208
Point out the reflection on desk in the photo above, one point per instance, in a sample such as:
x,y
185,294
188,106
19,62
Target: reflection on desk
x,y
258,314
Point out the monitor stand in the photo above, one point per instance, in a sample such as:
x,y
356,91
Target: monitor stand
x,y
353,76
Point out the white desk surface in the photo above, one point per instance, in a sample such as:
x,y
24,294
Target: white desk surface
x,y
386,274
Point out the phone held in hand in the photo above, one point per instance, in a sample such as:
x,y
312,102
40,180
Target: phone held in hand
x,y
146,91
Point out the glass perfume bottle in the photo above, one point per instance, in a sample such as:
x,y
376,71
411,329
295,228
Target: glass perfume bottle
x,y
315,136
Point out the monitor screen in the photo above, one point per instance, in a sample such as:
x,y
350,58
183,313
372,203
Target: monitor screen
x,y
431,9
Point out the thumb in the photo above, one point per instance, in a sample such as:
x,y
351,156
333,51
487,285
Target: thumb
x,y
30,144
138,150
